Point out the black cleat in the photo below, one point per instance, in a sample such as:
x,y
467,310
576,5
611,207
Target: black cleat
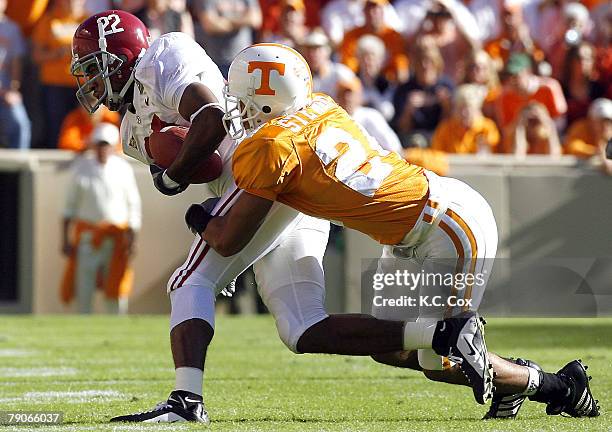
x,y
461,339
181,406
507,406
579,402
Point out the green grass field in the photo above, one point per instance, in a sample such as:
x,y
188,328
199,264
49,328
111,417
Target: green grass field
x,y
93,368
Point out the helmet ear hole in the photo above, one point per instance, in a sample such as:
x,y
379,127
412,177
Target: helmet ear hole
x,y
266,109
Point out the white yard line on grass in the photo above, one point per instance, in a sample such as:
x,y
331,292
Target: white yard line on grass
x,y
16,352
67,396
14,372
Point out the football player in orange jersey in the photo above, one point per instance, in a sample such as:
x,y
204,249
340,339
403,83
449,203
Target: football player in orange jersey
x,y
303,150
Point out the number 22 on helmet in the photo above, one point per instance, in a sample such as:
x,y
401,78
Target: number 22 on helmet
x,y
106,48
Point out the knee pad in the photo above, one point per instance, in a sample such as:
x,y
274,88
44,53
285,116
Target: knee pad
x,y
192,301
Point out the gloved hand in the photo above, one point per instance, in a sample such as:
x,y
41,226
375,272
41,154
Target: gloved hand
x,y
198,215
157,173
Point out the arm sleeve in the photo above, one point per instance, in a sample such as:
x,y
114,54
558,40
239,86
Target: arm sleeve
x,y
265,166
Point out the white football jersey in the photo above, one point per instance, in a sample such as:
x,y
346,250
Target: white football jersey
x,y
170,64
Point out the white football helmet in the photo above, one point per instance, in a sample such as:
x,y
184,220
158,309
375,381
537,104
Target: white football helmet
x,y
265,81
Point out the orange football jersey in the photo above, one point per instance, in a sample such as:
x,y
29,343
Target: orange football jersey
x,y
322,163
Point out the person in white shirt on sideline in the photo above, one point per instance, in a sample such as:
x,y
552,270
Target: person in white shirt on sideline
x,y
349,96
101,215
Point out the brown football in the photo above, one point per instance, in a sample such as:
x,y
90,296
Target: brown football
x,y
165,145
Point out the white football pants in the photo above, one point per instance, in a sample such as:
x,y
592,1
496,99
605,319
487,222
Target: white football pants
x,y
287,254
456,235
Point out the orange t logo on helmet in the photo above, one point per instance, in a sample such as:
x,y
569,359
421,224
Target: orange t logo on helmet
x,y
266,68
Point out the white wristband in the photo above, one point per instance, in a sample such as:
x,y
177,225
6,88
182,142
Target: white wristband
x,y
168,182
202,108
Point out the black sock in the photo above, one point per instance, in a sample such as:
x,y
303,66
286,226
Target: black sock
x,y
552,389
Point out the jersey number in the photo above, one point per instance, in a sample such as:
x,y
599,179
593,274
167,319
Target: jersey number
x,y
111,21
354,168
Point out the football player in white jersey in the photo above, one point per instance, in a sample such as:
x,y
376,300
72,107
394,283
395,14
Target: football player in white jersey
x,y
172,80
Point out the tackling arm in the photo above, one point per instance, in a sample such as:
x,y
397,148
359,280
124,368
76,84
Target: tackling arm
x,y
205,134
230,233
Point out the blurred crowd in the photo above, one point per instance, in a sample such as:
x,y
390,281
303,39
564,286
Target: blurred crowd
x,y
425,77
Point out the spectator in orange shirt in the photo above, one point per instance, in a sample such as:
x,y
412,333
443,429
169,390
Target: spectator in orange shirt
x,y
79,124
589,136
396,67
514,37
467,130
521,86
52,39
534,133
271,12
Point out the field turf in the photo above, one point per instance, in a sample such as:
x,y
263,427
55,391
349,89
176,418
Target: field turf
x,y
93,368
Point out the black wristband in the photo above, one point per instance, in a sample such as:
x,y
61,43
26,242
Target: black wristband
x,y
158,181
197,218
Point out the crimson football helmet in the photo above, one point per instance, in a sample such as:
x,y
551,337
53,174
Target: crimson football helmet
x,y
106,48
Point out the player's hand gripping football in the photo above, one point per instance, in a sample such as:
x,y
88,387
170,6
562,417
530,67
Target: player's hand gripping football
x,y
157,173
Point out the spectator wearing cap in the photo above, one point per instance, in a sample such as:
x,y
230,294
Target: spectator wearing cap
x,y
588,137
325,73
533,133
521,86
514,37
425,99
341,16
79,124
52,40
581,85
452,39
349,97
396,67
292,28
15,128
101,216
377,89
226,27
466,130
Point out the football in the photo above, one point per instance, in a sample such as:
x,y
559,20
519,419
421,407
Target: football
x,y
165,145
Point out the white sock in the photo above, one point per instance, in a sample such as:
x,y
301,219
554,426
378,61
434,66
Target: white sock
x,y
189,379
534,382
419,334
